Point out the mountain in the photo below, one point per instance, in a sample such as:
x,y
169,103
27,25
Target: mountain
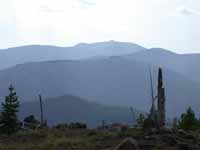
x,y
68,108
111,73
111,81
185,64
34,53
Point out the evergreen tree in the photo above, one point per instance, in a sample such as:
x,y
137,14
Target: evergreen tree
x,y
140,120
188,120
9,122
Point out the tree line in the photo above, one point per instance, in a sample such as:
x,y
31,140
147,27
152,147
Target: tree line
x,y
10,123
187,121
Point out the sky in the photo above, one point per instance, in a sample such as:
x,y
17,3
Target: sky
x,y
170,24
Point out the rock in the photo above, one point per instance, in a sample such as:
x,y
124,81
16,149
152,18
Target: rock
x,y
165,131
182,132
169,140
183,146
150,138
189,137
127,144
151,131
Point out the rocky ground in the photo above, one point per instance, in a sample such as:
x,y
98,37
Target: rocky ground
x,y
131,139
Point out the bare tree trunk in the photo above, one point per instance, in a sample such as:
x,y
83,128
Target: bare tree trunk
x,y
41,110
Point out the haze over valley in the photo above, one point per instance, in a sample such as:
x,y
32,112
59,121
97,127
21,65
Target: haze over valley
x,y
109,73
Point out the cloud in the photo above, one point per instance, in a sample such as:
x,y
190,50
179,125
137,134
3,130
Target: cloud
x,y
67,22
47,9
72,4
87,2
185,11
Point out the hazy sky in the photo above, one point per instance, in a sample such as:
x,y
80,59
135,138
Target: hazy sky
x,y
172,24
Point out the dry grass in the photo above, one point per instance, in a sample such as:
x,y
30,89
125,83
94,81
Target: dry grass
x,y
64,139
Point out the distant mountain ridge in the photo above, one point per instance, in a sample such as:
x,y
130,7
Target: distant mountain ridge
x,y
114,81
36,53
185,64
68,108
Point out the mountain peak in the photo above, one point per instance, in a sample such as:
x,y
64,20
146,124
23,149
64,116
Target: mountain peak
x,y
162,50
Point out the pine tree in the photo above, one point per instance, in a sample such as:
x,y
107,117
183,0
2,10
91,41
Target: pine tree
x,y
188,120
9,122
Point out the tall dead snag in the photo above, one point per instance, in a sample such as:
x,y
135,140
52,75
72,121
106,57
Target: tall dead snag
x,y
156,118
153,112
161,100
41,111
